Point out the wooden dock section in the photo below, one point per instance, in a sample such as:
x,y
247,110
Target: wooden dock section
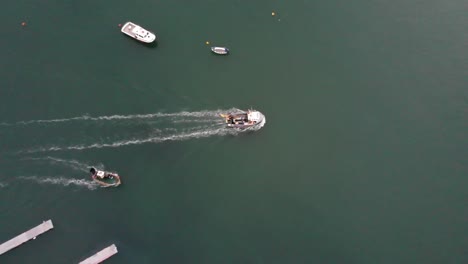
x,y
24,237
101,255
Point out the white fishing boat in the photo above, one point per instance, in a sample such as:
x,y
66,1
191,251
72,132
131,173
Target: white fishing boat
x,y
220,50
137,32
243,120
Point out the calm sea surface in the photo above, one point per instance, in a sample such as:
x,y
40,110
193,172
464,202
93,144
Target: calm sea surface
x,y
363,157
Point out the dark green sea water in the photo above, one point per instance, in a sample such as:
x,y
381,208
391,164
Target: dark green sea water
x,y
363,158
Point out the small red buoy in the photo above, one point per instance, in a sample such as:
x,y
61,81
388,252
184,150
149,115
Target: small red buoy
x,y
120,25
23,24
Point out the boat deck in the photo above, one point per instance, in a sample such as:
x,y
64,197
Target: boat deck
x,y
128,28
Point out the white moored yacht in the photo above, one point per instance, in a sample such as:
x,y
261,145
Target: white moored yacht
x,y
137,32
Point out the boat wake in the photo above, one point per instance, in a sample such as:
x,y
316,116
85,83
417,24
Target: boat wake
x,y
73,164
85,132
204,114
3,185
156,139
62,181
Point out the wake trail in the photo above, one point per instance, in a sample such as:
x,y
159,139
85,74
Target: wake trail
x,y
74,164
203,113
156,139
62,181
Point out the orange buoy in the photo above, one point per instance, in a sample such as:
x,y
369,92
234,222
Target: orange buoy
x,y
207,43
273,13
23,24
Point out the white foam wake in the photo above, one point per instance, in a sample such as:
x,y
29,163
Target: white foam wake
x,y
83,117
203,113
157,139
62,181
3,185
74,164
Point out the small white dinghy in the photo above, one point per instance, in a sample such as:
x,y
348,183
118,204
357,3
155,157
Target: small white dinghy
x,y
137,32
220,50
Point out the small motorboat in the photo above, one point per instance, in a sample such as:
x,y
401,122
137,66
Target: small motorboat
x,y
243,120
104,178
220,50
137,32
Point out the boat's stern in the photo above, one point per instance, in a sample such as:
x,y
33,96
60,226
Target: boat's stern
x,y
127,27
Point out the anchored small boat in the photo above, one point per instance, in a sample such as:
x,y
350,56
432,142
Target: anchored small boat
x,y
243,120
220,50
137,32
104,178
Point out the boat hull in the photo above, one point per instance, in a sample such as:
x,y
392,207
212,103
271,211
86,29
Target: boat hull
x,y
241,127
108,182
220,50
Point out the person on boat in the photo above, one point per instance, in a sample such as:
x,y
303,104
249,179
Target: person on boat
x,y
100,174
229,119
93,172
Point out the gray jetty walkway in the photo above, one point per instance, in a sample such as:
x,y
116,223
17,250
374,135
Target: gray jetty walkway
x,y
24,237
101,255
